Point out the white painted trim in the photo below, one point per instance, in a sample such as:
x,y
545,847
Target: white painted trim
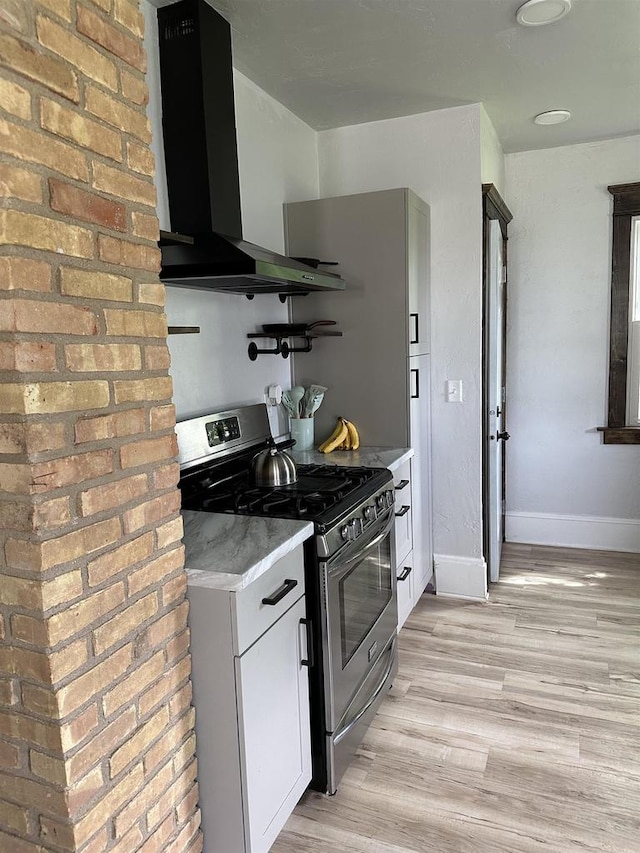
x,y
463,597
460,577
574,531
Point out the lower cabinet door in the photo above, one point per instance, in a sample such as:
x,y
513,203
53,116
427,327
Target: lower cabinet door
x,y
404,575
273,717
420,415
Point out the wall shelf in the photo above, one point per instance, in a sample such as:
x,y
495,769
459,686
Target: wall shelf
x,y
183,330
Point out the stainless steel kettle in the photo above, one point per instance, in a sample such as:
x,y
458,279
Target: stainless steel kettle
x,y
274,467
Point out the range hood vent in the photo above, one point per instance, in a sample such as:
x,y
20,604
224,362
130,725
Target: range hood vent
x,y
198,119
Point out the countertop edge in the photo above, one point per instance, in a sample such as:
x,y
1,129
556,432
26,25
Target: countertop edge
x,y
234,582
368,457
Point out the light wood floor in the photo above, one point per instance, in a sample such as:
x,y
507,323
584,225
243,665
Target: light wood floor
x,y
512,726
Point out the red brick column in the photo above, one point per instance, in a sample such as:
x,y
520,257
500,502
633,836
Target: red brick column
x,y
97,747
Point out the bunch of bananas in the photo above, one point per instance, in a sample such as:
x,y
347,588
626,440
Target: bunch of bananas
x,y
344,437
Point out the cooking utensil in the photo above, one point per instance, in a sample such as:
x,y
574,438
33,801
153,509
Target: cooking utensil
x,y
297,393
289,405
312,400
274,467
294,328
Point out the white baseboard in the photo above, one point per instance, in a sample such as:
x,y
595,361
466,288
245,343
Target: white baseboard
x,y
573,531
460,577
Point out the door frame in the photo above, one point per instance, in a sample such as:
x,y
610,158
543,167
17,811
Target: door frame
x,y
493,207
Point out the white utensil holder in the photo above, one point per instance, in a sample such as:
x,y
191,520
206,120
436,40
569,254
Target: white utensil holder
x,y
302,430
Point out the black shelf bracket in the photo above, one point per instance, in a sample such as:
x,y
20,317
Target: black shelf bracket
x,y
282,346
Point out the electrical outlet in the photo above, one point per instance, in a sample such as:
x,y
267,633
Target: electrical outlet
x,y
453,391
273,397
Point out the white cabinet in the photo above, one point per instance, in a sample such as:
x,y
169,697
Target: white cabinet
x,y
404,515
377,373
406,592
420,427
273,714
251,695
404,541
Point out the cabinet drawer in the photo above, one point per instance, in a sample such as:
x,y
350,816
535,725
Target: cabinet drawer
x,y
404,531
250,616
404,524
405,589
402,473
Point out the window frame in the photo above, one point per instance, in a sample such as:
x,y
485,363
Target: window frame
x,y
626,205
633,369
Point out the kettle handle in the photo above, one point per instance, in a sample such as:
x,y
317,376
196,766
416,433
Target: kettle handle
x,y
283,445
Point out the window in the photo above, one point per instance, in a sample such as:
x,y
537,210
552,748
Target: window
x,y
623,426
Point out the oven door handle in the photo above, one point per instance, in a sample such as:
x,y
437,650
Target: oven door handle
x,y
342,566
310,659
379,688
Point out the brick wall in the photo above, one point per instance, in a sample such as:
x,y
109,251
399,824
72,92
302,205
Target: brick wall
x,y
97,748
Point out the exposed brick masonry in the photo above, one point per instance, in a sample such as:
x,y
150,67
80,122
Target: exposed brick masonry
x,y
97,744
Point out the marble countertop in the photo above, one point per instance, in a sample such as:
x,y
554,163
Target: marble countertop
x,y
230,551
368,457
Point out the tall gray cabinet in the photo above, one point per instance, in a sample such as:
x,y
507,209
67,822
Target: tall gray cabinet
x,y
378,373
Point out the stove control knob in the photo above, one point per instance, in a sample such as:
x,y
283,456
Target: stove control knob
x,y
356,527
390,497
380,502
369,513
344,532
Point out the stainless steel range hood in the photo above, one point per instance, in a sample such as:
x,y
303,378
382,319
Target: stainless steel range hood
x,y
217,262
205,248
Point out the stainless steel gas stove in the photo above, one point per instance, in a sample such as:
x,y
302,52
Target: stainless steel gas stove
x,y
350,584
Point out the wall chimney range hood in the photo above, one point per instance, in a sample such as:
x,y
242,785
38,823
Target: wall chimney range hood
x,y
205,248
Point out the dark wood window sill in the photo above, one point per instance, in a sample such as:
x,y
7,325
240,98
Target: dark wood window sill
x,y
620,435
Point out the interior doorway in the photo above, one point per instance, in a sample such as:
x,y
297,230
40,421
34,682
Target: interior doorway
x,y
496,217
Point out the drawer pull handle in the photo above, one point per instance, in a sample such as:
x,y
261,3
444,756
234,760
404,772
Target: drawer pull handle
x,y
402,485
404,574
310,659
280,593
403,511
416,336
416,370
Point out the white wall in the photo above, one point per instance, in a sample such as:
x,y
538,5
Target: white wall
x,y
563,485
491,155
278,162
437,155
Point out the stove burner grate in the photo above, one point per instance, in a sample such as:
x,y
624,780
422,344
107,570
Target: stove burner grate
x,y
319,488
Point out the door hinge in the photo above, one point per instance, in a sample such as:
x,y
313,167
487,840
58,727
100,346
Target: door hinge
x,y
503,394
504,275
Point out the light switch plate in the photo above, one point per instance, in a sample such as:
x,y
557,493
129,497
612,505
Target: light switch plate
x,y
453,390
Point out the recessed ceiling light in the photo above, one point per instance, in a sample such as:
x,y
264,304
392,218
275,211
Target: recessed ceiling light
x,y
535,13
552,117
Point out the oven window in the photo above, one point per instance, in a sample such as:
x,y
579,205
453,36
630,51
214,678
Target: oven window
x,y
364,593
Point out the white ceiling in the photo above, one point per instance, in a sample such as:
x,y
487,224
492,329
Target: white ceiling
x,y
341,62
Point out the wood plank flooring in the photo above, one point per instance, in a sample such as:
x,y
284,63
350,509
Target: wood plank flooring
x,y
512,725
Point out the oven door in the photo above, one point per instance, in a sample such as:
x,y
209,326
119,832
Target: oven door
x,y
361,617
